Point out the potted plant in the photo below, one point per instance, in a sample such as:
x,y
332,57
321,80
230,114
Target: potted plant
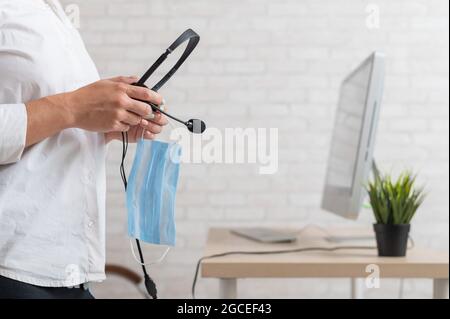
x,y
394,204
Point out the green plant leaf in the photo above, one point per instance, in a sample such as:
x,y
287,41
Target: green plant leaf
x,y
395,201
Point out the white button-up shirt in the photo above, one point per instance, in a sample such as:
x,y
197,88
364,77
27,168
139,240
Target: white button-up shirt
x,y
52,194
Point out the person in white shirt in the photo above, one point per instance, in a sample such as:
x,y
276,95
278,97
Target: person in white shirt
x,y
56,118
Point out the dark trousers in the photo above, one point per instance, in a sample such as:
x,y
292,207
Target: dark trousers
x,y
12,289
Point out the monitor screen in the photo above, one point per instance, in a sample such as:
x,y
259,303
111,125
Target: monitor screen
x,y
352,143
347,130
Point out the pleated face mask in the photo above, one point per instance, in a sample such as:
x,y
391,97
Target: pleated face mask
x,y
151,192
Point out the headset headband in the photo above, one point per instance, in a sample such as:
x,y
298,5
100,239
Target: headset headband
x,y
193,38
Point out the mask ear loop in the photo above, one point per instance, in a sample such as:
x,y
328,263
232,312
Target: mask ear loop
x,y
157,261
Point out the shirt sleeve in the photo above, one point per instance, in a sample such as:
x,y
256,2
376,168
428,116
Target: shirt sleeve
x,y
13,129
14,63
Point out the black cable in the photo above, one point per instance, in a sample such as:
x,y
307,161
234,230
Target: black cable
x,y
296,250
122,163
281,252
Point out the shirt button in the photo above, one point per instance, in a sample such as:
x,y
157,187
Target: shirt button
x,y
90,224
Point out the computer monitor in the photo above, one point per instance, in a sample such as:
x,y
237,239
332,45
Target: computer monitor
x,y
350,158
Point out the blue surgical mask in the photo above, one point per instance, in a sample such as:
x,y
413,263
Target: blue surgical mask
x,y
151,192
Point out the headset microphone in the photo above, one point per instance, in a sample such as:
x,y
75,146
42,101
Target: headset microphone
x,y
195,126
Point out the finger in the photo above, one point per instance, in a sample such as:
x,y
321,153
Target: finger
x,y
130,118
149,135
125,79
143,124
159,119
144,94
153,128
140,108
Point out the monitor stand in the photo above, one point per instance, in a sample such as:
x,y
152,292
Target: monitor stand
x,y
370,236
341,239
375,169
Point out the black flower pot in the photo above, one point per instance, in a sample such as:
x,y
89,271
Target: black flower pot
x,y
392,240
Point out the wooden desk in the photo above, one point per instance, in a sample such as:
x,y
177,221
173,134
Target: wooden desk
x,y
419,263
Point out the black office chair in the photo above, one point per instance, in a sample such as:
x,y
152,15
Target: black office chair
x,y
129,275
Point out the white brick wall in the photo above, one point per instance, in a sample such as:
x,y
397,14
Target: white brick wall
x,y
267,63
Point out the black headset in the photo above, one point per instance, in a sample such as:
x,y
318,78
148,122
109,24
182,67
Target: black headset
x,y
193,125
